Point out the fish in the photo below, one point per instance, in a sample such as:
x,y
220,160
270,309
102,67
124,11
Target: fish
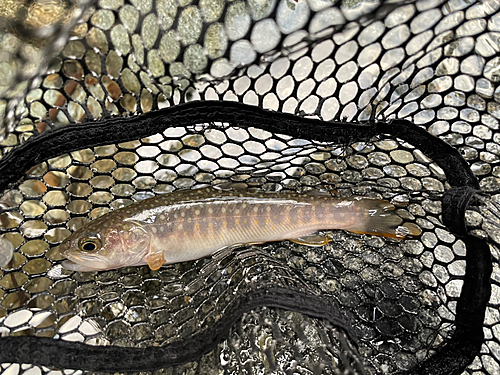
x,y
191,224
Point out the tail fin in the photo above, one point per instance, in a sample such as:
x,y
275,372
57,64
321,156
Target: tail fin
x,y
378,217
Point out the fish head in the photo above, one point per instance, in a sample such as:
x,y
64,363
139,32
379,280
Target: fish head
x,y
105,244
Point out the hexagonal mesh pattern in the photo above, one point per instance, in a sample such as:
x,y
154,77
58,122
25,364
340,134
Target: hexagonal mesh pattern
x,y
431,62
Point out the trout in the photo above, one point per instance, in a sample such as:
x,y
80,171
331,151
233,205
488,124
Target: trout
x,y
191,224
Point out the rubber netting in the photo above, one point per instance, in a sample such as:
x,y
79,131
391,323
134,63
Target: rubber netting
x,y
109,102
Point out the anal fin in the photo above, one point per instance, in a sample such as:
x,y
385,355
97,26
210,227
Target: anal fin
x,y
315,239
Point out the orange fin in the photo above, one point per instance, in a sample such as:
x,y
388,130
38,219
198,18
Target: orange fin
x,y
155,261
312,240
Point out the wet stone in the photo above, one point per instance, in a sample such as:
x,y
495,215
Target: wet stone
x,y
33,208
101,197
124,174
119,203
83,156
18,318
65,305
103,166
190,24
142,332
43,320
77,223
36,266
130,280
60,162
79,172
63,288
237,21
98,212
134,298
33,188
102,182
125,157
15,300
13,280
11,199
87,291
79,206
41,302
9,220
79,189
117,329
33,228
104,151
113,311
16,262
56,179
56,216
55,198
89,308
110,293
39,284
56,235
34,247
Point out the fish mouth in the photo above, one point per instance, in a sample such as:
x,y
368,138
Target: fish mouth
x,y
73,266
79,263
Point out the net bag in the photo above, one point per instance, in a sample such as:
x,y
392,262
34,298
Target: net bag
x,y
131,99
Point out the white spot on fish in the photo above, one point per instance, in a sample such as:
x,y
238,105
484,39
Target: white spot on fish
x,y
223,210
154,230
255,209
162,217
162,229
268,208
179,227
210,210
197,212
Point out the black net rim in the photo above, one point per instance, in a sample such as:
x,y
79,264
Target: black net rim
x,y
452,358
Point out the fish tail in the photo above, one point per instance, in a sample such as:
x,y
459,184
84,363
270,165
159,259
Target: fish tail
x,y
378,217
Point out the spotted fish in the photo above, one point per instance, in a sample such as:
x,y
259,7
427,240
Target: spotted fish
x,y
191,224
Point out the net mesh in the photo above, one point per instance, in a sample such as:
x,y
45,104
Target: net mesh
x,y
431,62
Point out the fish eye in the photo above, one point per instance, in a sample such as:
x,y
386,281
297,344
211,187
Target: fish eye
x,y
90,242
89,246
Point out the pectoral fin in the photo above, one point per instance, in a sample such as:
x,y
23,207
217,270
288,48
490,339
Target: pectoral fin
x,y
315,239
155,260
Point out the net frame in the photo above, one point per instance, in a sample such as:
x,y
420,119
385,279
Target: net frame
x,y
458,200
